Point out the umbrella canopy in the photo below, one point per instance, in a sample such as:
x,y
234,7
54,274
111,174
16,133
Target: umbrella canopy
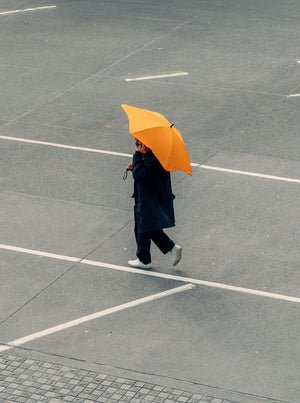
x,y
157,133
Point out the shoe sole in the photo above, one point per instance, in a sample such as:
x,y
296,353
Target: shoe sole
x,y
179,255
140,267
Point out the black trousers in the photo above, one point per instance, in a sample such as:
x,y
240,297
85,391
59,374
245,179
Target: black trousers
x,y
143,240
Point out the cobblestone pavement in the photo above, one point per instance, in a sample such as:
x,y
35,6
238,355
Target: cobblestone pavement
x,y
28,380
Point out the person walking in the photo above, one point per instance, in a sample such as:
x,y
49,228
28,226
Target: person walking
x,y
153,209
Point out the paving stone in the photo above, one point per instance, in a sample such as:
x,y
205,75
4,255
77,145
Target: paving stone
x,y
130,394
21,399
26,380
125,399
197,396
158,388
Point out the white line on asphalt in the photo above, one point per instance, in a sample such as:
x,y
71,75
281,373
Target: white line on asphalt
x,y
293,95
45,143
235,171
95,150
193,281
93,316
154,77
39,253
26,10
156,274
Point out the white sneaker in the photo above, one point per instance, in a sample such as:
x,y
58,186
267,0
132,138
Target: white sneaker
x,y
140,265
176,253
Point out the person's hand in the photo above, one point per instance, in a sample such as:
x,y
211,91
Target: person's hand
x,y
129,167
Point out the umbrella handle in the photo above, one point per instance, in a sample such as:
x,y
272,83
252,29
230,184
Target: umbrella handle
x,y
126,174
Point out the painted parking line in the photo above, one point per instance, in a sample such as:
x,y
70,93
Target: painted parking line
x,y
24,10
39,253
46,143
258,175
226,287
196,165
93,316
293,96
156,76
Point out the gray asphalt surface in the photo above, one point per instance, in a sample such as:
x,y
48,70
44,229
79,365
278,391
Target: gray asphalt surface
x,y
63,77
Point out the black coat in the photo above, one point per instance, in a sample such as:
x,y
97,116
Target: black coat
x,y
152,193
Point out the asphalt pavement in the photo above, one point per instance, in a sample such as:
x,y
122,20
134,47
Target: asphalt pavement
x,y
76,323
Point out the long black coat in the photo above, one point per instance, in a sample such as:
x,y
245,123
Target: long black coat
x,y
152,193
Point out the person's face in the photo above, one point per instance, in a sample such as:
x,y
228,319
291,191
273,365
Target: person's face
x,y
138,143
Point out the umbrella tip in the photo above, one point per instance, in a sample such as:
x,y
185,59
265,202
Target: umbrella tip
x,y
172,125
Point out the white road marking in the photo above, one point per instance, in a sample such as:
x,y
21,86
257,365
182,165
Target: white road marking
x,y
235,171
154,77
293,95
45,143
94,263
193,281
93,316
26,10
95,150
39,253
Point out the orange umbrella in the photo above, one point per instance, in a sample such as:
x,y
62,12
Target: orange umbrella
x,y
156,132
